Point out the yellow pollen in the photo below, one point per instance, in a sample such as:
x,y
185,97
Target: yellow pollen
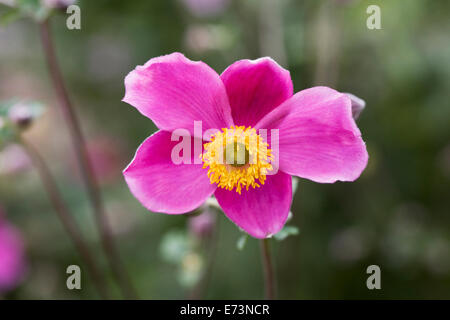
x,y
237,157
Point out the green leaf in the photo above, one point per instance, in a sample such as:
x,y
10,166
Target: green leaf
x,y
4,108
34,9
29,5
242,241
7,133
286,232
11,15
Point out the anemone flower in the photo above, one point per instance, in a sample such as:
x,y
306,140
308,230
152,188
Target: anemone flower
x,y
12,259
317,139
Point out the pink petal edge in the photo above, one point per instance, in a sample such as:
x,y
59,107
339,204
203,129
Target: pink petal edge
x,y
162,186
174,91
255,87
318,138
260,212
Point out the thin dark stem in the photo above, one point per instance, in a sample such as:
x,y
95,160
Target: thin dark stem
x,y
66,218
210,243
269,279
85,165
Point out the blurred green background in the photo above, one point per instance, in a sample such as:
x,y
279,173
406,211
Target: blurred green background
x,y
397,215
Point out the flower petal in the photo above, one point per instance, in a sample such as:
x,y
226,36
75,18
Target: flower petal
x,y
263,211
12,259
358,105
318,138
255,88
160,184
174,92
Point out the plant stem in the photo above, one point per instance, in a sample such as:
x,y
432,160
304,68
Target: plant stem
x,y
210,243
269,279
66,218
86,167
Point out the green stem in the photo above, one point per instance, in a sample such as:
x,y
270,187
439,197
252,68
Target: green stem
x,y
210,243
269,279
86,167
66,218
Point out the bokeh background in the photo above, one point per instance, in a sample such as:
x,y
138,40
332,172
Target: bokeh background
x,y
397,215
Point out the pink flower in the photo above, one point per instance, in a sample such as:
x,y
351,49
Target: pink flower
x,y
204,8
20,114
202,225
14,160
12,261
61,4
318,139
106,158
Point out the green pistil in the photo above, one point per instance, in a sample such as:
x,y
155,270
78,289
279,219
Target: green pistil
x,y
236,154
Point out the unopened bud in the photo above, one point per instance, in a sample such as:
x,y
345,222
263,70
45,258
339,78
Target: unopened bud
x,y
21,115
58,4
203,224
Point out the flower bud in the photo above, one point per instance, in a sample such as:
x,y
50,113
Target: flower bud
x,y
203,224
58,4
21,115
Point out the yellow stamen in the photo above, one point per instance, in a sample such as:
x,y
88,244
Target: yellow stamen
x,y
237,157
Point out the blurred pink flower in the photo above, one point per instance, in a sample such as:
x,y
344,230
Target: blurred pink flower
x,y
12,258
106,158
202,225
203,8
201,38
13,160
318,139
21,114
58,4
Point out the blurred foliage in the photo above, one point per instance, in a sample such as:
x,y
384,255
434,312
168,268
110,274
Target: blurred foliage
x,y
286,232
395,216
179,249
18,9
7,133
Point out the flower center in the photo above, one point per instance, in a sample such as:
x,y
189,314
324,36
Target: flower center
x,y
236,154
237,157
